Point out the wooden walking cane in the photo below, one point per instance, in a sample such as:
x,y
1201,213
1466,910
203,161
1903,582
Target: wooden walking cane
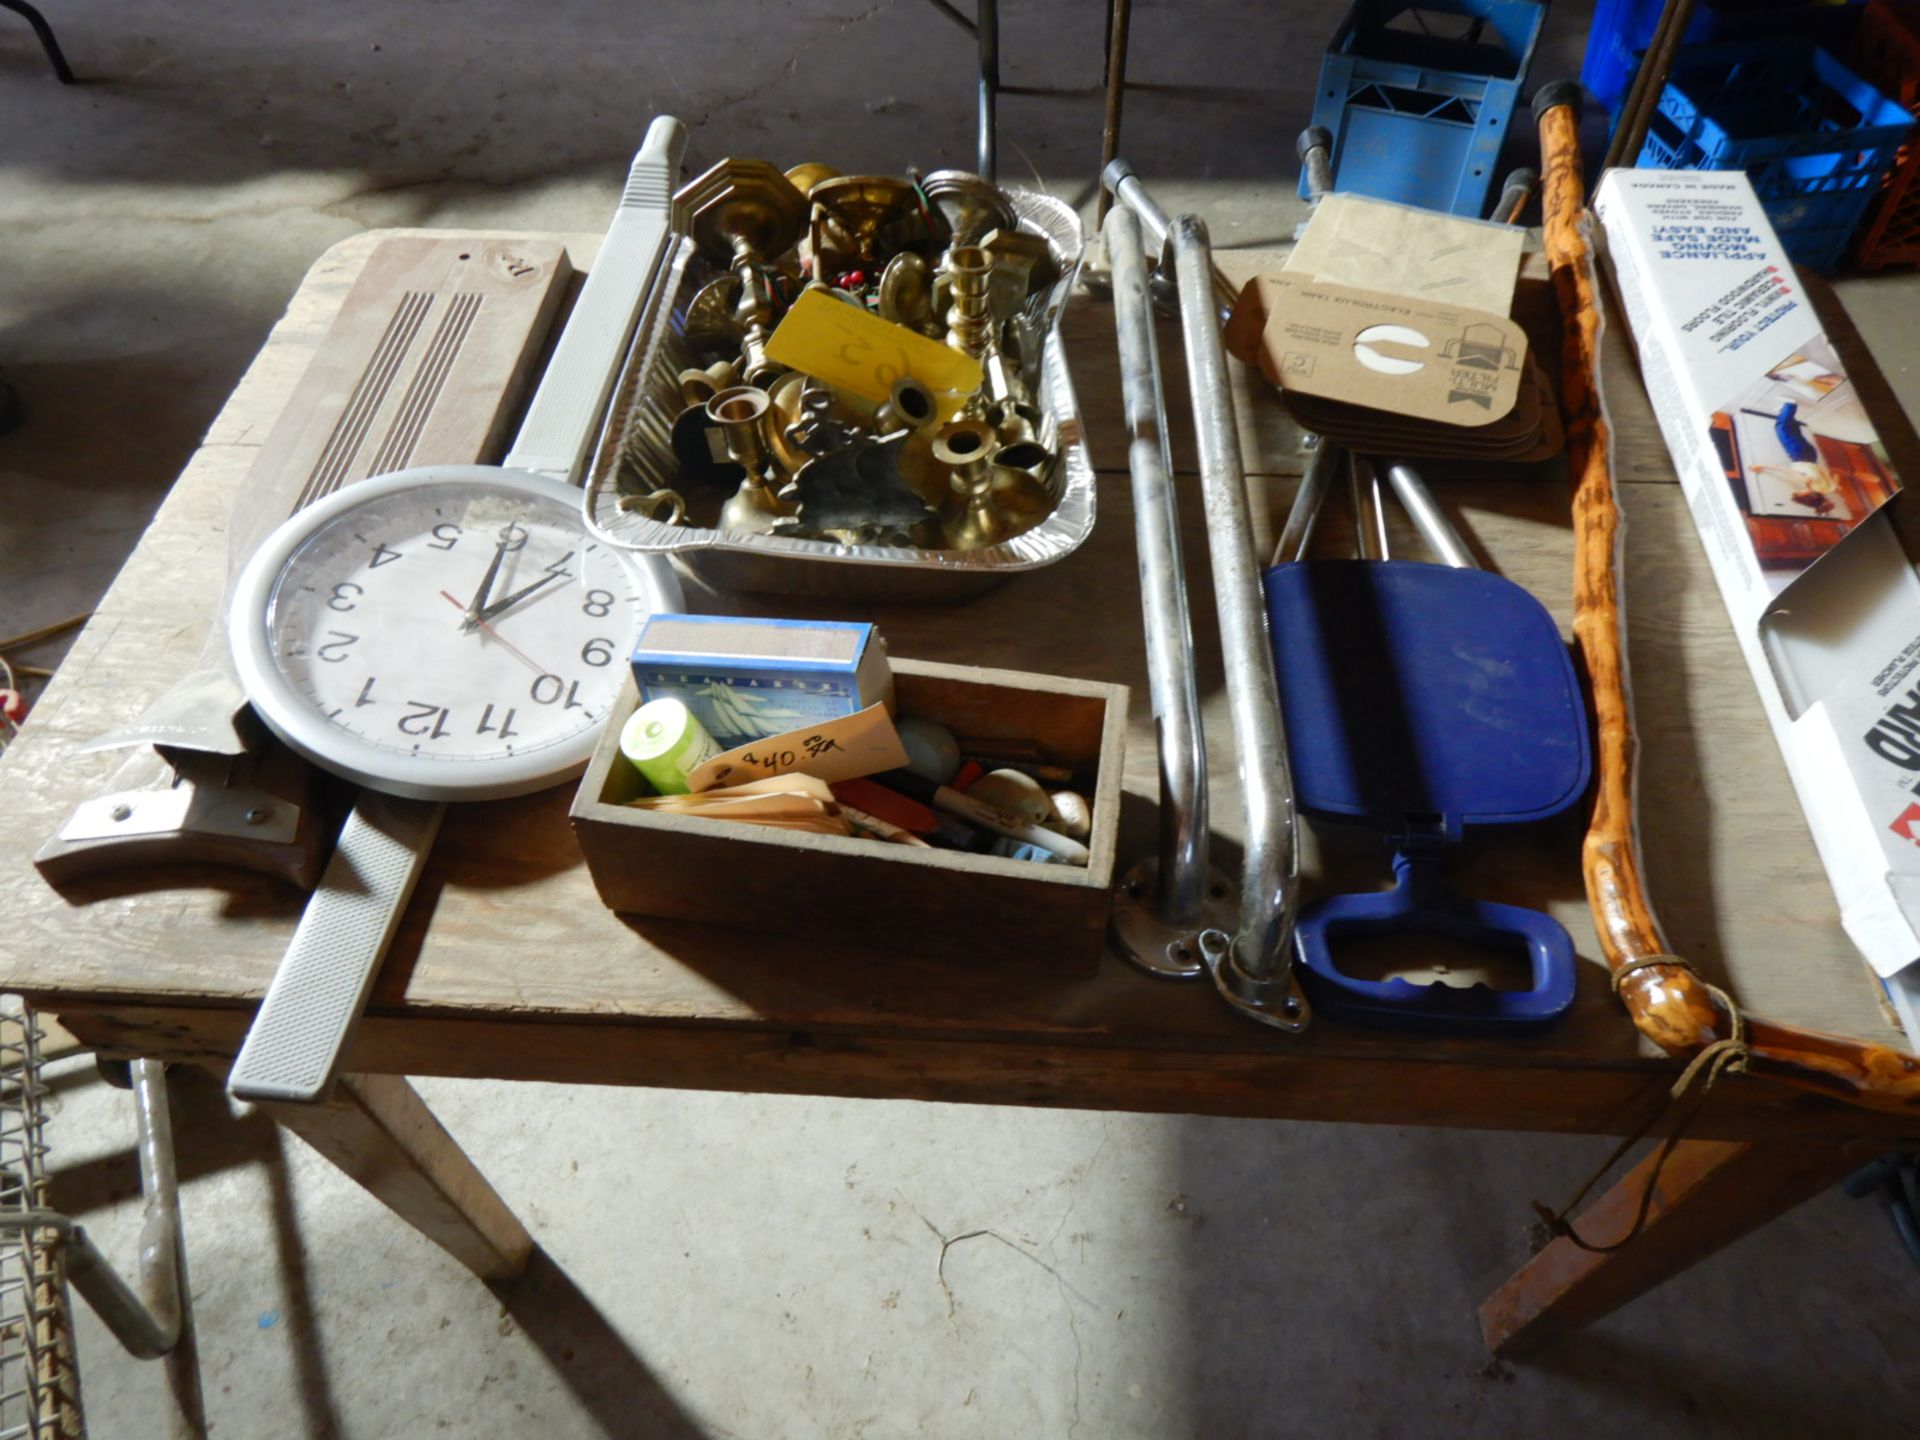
x,y
1669,1002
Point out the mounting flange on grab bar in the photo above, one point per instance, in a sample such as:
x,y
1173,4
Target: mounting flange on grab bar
x,y
1164,903
1253,968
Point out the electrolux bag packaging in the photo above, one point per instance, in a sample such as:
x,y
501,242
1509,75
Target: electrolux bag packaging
x,y
1795,501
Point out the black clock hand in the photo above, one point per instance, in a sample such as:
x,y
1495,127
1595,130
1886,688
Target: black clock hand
x,y
486,584
488,612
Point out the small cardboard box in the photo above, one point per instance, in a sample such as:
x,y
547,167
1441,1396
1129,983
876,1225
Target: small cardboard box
x,y
1801,515
866,893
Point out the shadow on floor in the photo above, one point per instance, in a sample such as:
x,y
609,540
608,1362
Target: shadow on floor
x,y
590,1357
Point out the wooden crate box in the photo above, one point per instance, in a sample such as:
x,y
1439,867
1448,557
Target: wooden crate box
x,y
866,893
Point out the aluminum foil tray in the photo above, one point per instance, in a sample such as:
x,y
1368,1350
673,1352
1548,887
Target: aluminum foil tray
x,y
635,454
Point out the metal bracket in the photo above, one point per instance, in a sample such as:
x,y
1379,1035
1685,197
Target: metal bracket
x,y
1160,946
242,813
1278,1002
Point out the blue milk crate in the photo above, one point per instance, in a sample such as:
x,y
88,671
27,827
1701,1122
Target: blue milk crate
x,y
1815,139
1417,97
1622,30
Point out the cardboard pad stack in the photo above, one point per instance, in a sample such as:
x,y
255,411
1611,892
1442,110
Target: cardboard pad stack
x,y
1389,332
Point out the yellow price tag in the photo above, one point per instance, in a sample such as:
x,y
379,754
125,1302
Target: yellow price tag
x,y
848,348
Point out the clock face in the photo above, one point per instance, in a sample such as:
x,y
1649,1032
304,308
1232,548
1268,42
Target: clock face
x,y
447,633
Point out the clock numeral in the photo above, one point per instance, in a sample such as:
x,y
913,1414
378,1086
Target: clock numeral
x,y
549,688
558,569
339,599
424,719
382,554
505,727
445,536
366,694
598,604
514,537
597,652
335,650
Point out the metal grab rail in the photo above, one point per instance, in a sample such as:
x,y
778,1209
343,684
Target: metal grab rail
x,y
1162,904
1253,968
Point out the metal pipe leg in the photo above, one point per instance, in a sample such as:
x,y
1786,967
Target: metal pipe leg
x,y
1429,519
1369,515
1163,904
1253,968
1119,19
988,27
1308,501
160,1222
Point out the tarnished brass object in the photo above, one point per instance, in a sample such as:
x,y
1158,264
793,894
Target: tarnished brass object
x,y
712,327
854,216
1017,423
1022,264
805,177
698,386
744,205
664,505
741,414
1029,456
906,293
857,496
989,503
970,206
969,319
782,452
746,214
910,406
701,449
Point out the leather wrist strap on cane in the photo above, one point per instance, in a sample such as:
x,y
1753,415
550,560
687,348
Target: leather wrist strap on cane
x,y
1705,1069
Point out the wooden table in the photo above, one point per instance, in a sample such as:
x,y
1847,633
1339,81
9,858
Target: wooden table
x,y
507,967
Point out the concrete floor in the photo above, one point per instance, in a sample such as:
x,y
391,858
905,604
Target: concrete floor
x,y
770,1267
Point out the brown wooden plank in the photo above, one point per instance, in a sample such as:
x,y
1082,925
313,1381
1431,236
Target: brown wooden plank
x,y
1709,1193
1255,1079
379,1130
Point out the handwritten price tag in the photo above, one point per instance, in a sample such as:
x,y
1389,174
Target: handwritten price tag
x,y
845,749
844,346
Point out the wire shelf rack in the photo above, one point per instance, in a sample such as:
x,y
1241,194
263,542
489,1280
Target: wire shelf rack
x,y
39,1383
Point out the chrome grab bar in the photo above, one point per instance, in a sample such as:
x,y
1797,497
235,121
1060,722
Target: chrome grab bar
x,y
1253,968
1161,905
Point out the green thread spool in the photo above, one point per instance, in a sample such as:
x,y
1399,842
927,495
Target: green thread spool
x,y
665,743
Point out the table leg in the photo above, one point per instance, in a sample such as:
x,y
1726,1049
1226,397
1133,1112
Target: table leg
x,y
987,30
1709,1194
379,1130
1119,17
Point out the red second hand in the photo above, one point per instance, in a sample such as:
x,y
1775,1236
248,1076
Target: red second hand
x,y
521,654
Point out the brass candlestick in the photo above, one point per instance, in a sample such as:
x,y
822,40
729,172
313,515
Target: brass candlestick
x,y
989,504
745,214
969,272
741,415
852,214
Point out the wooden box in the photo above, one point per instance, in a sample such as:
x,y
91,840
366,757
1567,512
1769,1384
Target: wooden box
x,y
866,893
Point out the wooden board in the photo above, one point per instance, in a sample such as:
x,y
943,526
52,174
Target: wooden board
x,y
507,965
423,363
410,371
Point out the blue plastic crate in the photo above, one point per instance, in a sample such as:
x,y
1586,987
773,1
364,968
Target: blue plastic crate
x,y
1418,96
1815,139
1622,30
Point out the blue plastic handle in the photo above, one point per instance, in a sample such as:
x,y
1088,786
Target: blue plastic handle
x,y
1420,904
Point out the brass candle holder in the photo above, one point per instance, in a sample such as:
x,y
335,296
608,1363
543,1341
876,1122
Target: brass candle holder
x,y
746,214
